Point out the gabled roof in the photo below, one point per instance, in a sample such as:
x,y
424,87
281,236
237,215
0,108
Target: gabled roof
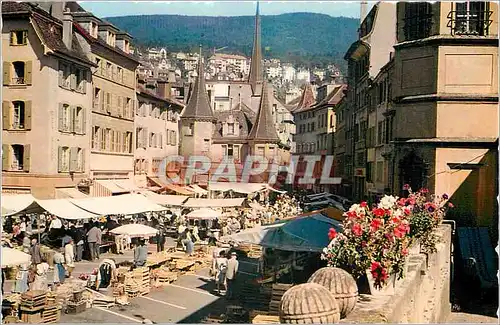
x,y
241,113
333,98
306,100
146,92
263,130
198,106
48,28
256,72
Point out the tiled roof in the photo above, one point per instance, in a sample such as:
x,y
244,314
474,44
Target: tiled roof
x,y
198,106
49,28
144,91
256,73
306,100
263,129
334,97
52,38
103,43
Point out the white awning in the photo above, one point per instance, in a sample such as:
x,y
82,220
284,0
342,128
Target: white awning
x,y
168,200
269,187
69,193
243,188
119,204
213,203
198,189
203,214
113,186
64,209
15,203
256,206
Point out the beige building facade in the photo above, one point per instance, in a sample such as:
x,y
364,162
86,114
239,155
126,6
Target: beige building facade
x,y
113,101
46,101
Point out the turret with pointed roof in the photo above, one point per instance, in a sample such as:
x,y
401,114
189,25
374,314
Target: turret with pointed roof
x,y
198,106
255,77
263,129
306,100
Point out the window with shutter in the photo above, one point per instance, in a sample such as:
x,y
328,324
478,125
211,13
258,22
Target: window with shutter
x,y
6,114
108,103
6,156
28,72
80,160
119,106
27,115
73,159
83,120
7,66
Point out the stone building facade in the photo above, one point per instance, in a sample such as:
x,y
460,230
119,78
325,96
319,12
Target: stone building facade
x,y
422,104
113,101
47,101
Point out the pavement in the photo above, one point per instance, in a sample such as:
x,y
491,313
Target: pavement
x,y
188,300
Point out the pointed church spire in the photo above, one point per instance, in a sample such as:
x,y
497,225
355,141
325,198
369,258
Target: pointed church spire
x,y
255,77
198,106
307,99
263,129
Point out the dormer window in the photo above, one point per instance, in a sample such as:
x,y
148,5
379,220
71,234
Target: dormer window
x,y
126,46
93,29
111,39
230,128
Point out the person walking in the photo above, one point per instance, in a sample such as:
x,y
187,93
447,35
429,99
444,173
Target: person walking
x,y
160,240
78,242
231,272
22,279
59,271
69,256
92,238
36,255
99,242
40,281
140,254
220,270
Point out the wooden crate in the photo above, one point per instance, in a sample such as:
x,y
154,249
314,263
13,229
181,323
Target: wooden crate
x,y
278,290
31,317
51,314
33,299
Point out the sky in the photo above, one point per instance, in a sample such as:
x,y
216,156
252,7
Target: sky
x,y
219,8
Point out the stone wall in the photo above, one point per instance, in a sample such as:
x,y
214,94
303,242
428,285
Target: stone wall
x,y
423,296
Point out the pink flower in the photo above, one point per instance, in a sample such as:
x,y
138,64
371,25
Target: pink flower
x,y
407,211
375,224
332,233
406,187
363,204
450,205
375,266
351,214
404,251
379,212
411,201
402,202
357,230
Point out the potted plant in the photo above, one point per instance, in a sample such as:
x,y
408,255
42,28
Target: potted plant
x,y
373,243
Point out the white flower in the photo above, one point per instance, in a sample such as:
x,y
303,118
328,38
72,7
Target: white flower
x,y
387,202
398,213
357,208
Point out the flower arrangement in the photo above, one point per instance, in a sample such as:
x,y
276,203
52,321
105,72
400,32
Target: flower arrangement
x,y
377,239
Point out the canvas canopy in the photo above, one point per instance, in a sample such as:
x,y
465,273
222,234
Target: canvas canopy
x,y
301,234
167,200
15,203
243,188
64,209
203,214
197,189
135,230
256,206
121,204
14,257
213,203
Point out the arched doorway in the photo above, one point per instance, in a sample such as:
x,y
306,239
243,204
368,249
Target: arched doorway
x,y
412,171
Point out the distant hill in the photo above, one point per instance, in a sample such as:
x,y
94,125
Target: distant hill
x,y
303,38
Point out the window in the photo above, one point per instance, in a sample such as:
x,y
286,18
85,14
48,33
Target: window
x,y
80,82
152,140
98,99
105,139
93,30
236,152
380,171
418,20
64,118
17,157
206,145
79,120
18,115
79,161
229,150
471,18
119,74
230,128
109,69
138,137
19,37
312,126
19,67
64,159
64,75
96,131
190,129
380,130
260,151
127,143
369,172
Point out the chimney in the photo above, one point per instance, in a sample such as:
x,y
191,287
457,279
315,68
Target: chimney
x,y
67,28
363,11
56,9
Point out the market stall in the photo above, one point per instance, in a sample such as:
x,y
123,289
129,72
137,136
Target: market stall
x,y
213,203
125,204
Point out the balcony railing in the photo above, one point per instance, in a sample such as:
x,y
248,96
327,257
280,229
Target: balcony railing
x,y
470,22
